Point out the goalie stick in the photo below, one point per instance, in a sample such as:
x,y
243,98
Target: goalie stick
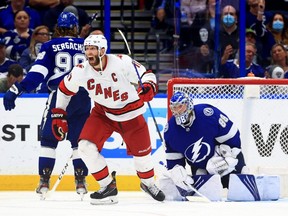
x,y
141,84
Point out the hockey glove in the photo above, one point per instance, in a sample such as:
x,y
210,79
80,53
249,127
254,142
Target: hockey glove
x,y
182,180
224,160
11,95
147,91
59,123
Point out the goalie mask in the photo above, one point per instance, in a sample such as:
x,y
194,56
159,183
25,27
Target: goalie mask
x,y
181,106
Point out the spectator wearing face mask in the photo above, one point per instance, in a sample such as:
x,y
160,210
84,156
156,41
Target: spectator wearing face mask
x,y
228,34
279,28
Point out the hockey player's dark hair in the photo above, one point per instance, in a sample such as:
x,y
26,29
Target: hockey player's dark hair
x,y
61,32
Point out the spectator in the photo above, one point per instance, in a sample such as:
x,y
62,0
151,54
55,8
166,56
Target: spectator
x,y
229,34
189,9
4,61
230,69
15,74
264,43
200,37
7,16
256,16
279,28
250,36
42,6
39,36
163,22
18,40
53,13
279,57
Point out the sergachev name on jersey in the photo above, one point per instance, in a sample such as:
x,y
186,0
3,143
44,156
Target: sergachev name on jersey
x,y
67,45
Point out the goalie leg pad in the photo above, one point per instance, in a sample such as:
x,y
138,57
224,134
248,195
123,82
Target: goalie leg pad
x,y
253,188
209,185
268,186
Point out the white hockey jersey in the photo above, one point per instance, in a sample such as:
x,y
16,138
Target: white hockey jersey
x,y
113,88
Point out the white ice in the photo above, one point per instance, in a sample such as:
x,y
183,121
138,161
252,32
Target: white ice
x,y
130,203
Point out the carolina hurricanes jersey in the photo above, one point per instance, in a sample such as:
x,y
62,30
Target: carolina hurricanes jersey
x,y
113,88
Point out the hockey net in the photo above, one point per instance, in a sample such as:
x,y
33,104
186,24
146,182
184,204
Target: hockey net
x,y
259,107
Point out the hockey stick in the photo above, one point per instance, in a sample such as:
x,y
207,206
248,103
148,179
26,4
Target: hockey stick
x,y
127,46
94,17
48,194
141,84
199,198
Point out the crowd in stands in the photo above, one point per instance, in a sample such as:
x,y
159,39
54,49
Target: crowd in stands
x,y
26,24
198,50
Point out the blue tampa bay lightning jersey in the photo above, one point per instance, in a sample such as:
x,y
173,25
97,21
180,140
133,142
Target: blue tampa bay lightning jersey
x,y
195,145
56,58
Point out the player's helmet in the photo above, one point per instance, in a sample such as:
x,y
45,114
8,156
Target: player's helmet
x,y
96,40
67,20
181,106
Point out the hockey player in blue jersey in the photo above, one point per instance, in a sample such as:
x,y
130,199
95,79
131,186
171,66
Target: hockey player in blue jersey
x,y
203,137
54,61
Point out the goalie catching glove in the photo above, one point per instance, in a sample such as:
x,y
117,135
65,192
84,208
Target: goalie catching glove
x,y
224,160
147,91
59,123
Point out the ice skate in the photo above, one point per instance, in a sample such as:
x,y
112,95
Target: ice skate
x,y
44,183
153,191
80,183
106,195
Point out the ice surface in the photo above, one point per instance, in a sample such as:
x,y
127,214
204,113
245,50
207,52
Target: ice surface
x,y
130,203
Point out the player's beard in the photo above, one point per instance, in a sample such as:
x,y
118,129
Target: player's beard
x,y
94,61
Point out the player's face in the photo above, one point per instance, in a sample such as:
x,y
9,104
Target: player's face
x,y
92,55
178,109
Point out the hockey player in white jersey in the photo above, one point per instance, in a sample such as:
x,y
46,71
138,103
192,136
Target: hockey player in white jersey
x,y
110,81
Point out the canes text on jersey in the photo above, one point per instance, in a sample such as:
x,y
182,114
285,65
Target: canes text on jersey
x,y
107,92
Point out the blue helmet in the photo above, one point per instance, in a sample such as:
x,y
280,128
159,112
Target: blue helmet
x,y
181,106
67,20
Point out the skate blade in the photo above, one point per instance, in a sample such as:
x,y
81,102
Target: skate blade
x,y
81,196
106,201
43,195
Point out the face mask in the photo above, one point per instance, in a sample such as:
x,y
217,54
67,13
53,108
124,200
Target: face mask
x,y
228,20
278,25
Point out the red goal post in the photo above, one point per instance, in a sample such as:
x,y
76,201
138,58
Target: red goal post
x,y
259,107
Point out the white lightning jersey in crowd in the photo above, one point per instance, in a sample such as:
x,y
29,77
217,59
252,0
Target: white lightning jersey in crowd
x,y
113,88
